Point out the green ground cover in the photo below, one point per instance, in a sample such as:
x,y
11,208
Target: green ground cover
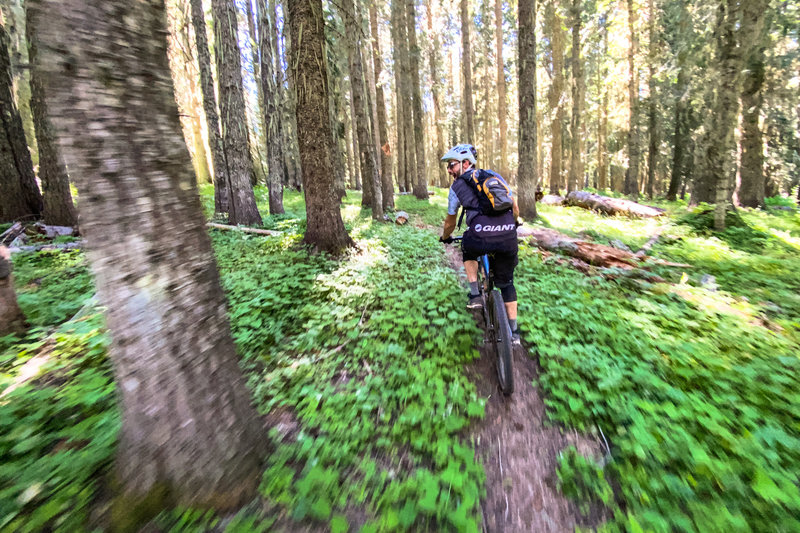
x,y
694,383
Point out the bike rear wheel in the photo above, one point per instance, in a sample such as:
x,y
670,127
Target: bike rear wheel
x,y
502,342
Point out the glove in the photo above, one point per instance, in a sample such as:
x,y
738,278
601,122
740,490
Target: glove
x,y
519,221
446,241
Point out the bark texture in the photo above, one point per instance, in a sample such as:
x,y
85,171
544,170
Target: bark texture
x,y
681,134
435,63
602,126
221,186
189,433
632,172
652,124
528,178
369,168
233,118
20,194
272,119
324,227
387,189
421,181
466,70
12,321
555,94
752,187
58,207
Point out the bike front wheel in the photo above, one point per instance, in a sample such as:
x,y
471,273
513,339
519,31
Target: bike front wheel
x,y
502,342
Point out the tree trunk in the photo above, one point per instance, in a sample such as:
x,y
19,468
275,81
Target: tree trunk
x,y
221,185
259,138
271,120
435,63
401,143
611,206
576,146
421,181
602,128
555,94
233,117
366,200
405,104
680,138
751,191
652,124
527,176
466,70
632,172
294,174
387,189
189,436
369,168
501,87
20,194
58,207
12,320
324,227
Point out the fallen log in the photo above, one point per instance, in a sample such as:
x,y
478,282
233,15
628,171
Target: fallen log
x,y
400,218
12,233
588,252
75,245
243,229
650,243
552,199
611,206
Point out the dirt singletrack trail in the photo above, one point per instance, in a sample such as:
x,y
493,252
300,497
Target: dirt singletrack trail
x,y
519,452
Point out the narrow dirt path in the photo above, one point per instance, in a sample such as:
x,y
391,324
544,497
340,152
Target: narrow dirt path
x,y
519,452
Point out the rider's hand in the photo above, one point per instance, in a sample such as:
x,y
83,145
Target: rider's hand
x,y
447,240
519,221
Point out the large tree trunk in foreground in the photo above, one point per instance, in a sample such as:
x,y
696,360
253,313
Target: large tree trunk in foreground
x,y
324,227
233,118
221,186
528,178
366,143
58,207
11,318
611,206
189,436
19,194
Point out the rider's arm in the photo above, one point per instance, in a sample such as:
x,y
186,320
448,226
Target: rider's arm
x,y
449,225
515,209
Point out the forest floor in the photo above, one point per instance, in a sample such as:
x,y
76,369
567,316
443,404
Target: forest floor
x,y
519,449
640,405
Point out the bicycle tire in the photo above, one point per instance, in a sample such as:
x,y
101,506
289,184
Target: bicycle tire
x,y
502,342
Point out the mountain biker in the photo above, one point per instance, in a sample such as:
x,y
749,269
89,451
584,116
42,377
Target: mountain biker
x,y
499,243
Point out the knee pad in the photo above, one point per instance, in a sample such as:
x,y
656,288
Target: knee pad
x,y
508,291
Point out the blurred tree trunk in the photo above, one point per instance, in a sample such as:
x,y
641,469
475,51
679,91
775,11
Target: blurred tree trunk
x,y
369,168
652,124
387,189
602,128
221,185
421,183
466,70
242,209
681,136
632,172
294,173
501,87
324,227
528,179
752,188
575,179
271,119
405,107
12,320
19,194
190,435
259,137
435,63
277,69
58,207
555,95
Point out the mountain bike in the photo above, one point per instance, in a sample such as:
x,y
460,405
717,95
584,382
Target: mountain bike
x,y
496,327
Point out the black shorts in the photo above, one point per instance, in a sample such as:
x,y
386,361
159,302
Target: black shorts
x,y
501,263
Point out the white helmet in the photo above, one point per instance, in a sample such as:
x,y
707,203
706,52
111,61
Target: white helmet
x,y
461,152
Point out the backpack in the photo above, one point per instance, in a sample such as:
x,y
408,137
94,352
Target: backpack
x,y
494,194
